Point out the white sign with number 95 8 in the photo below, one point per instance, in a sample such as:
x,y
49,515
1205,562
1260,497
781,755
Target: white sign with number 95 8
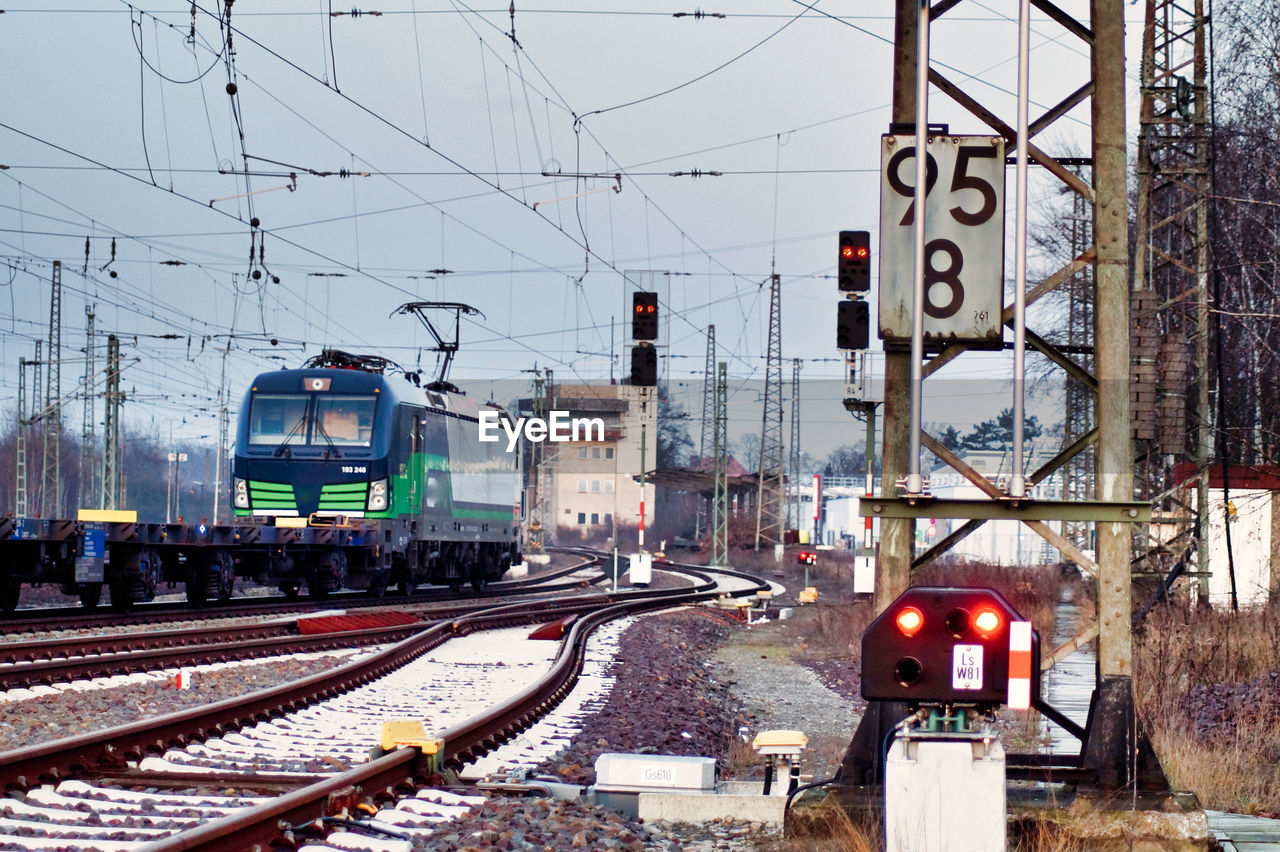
x,y
964,238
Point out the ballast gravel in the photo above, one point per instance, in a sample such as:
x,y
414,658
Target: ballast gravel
x,y
672,695
48,713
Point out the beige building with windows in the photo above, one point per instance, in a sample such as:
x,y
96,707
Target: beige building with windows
x,y
593,487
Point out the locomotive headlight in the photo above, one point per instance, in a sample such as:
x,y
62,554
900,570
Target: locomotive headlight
x,y
377,495
240,493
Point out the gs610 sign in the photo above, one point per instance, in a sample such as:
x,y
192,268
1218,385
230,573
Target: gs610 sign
x,y
964,239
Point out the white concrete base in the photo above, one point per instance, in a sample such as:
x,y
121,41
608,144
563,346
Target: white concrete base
x,y
695,808
945,796
538,558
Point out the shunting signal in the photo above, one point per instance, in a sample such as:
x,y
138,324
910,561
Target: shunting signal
x,y
949,645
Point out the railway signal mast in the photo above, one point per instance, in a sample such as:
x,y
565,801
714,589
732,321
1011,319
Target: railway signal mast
x,y
644,375
941,294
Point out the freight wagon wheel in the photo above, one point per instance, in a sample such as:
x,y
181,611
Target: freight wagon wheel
x,y
137,580
226,566
121,599
90,595
10,591
213,579
291,589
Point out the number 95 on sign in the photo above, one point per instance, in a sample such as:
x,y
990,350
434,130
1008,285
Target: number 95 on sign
x,y
964,239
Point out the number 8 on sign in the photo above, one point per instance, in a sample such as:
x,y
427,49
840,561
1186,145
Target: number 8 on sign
x,y
964,246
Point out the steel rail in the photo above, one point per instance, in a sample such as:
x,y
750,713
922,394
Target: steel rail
x,y
63,670
32,663
62,618
401,772
115,747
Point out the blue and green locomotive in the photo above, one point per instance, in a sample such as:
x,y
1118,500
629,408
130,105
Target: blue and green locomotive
x,y
363,477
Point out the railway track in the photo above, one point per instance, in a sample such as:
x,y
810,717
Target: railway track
x,y
33,662
38,620
299,753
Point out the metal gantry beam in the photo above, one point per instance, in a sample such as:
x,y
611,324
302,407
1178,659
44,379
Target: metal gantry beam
x,y
769,491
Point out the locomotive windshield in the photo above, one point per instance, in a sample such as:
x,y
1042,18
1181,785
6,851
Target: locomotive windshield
x,y
325,420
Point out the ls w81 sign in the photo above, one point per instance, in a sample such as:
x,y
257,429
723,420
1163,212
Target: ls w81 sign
x,y
964,239
966,667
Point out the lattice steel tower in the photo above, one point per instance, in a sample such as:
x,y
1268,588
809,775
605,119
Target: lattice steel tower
x,y
20,464
793,451
769,492
538,515
112,398
51,489
720,492
708,418
1078,482
1171,264
88,440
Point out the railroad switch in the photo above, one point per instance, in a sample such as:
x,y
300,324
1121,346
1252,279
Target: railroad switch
x,y
781,750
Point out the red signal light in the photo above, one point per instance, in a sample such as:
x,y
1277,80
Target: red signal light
x,y
987,622
853,270
644,315
909,621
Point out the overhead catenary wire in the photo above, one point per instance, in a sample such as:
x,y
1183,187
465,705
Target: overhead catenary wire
x,y
362,265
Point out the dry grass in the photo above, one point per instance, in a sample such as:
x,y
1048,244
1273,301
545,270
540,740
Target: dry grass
x,y
1233,772
830,828
1180,648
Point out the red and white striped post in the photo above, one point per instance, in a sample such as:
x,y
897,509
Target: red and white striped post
x,y
1020,665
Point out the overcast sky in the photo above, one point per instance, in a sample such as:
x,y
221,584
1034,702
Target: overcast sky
x,y
448,145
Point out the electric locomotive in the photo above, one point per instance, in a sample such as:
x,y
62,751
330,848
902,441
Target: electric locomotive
x,y
383,481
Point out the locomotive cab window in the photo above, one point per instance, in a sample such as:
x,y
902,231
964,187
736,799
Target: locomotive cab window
x,y
323,420
345,420
277,418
